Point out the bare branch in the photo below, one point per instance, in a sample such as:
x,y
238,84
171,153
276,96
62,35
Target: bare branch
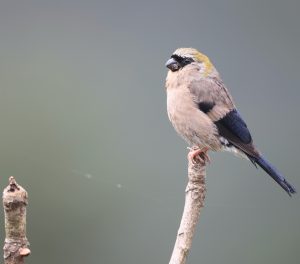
x,y
194,201
16,244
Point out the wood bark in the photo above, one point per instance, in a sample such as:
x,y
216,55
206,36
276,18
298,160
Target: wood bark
x,y
194,201
15,200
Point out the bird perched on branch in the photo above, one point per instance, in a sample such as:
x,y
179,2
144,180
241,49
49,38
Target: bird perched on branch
x,y
203,112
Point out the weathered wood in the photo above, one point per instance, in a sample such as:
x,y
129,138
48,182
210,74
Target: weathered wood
x,y
194,201
15,200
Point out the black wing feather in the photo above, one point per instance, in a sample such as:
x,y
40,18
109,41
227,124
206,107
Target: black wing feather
x,y
233,128
234,123
205,107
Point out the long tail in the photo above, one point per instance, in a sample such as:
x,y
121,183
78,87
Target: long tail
x,y
275,174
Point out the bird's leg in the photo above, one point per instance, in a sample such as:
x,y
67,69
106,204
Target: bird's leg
x,y
199,154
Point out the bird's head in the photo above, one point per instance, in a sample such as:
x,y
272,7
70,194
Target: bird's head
x,y
185,56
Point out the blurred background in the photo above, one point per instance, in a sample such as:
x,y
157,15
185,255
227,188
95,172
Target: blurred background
x,y
84,128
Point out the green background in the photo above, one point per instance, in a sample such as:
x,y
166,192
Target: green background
x,y
84,128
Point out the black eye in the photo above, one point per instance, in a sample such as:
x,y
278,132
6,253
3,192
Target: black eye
x,y
186,61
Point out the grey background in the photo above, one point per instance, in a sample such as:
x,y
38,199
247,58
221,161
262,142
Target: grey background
x,y
84,128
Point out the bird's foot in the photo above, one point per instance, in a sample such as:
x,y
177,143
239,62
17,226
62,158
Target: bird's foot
x,y
199,155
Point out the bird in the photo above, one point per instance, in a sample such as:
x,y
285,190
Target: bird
x,y
203,112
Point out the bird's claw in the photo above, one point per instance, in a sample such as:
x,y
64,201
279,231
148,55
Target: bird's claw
x,y
199,155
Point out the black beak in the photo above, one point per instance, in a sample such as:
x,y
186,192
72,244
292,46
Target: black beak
x,y
172,64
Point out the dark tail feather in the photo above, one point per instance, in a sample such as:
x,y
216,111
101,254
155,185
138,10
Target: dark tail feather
x,y
275,174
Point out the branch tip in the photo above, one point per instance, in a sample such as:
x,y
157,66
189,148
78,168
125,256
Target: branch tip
x,y
15,199
13,184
